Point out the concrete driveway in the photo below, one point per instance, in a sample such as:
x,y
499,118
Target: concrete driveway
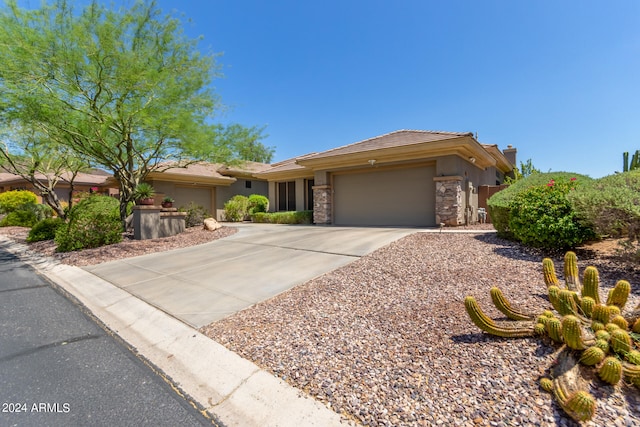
x,y
205,283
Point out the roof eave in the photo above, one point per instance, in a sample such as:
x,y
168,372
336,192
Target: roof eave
x,y
465,147
190,179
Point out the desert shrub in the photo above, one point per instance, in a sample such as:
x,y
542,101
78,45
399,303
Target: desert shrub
x,y
93,222
44,230
237,208
542,216
196,214
11,201
19,218
289,217
42,211
26,215
611,205
499,204
258,203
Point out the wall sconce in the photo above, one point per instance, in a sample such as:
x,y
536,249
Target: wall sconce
x,y
472,159
372,162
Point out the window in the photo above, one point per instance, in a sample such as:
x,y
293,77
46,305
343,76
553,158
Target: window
x,y
287,196
309,195
247,184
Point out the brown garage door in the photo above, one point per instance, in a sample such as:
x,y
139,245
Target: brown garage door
x,y
385,197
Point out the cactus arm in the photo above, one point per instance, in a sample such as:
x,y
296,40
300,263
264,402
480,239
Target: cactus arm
x,y
501,329
571,276
567,303
503,305
591,283
619,294
567,389
610,371
572,332
549,273
631,373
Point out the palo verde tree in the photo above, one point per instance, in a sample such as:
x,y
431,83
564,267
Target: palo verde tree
x,y
124,88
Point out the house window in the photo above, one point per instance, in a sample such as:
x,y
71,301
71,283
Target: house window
x,y
309,195
247,184
287,196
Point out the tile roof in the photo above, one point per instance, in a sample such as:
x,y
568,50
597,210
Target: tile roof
x,y
398,138
94,177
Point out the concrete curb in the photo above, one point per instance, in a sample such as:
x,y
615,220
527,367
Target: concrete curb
x,y
234,389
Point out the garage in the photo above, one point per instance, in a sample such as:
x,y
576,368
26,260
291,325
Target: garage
x,y
385,197
198,195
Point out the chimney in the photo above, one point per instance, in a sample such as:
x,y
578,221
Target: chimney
x,y
510,154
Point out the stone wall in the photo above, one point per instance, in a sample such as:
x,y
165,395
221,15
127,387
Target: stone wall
x,y
322,204
449,200
153,222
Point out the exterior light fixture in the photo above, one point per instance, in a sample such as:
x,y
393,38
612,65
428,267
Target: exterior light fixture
x,y
472,159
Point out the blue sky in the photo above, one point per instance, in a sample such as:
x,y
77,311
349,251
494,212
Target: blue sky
x,y
559,80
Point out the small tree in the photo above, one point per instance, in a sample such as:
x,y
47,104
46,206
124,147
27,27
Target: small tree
x,y
43,163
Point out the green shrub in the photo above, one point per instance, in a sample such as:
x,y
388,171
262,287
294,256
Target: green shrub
x,y
542,216
611,205
19,218
289,217
258,203
237,208
11,201
499,204
93,222
44,230
196,214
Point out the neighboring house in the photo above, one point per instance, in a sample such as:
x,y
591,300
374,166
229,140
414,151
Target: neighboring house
x,y
94,180
403,178
207,184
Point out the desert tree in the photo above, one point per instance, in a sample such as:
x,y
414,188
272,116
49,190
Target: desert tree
x,y
125,88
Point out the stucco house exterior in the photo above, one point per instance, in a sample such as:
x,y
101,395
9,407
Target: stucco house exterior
x,y
403,178
209,185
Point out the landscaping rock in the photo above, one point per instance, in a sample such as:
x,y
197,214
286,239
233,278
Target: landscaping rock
x,y
211,224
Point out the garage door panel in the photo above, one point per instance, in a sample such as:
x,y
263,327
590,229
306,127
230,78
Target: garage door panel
x,y
403,197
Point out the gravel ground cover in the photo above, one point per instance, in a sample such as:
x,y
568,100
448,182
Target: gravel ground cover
x,y
129,247
385,340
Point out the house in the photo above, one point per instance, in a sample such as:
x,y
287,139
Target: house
x,y
94,180
209,185
403,178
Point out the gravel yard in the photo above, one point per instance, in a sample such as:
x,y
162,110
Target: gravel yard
x,y
385,340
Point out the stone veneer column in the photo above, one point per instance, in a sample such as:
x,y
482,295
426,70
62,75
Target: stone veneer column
x,y
322,204
449,206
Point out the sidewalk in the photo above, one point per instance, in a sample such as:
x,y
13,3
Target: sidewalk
x,y
235,390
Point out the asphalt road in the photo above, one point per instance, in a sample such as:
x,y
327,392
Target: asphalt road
x,y
59,367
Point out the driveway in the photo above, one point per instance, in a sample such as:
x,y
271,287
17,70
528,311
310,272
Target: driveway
x,y
202,284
